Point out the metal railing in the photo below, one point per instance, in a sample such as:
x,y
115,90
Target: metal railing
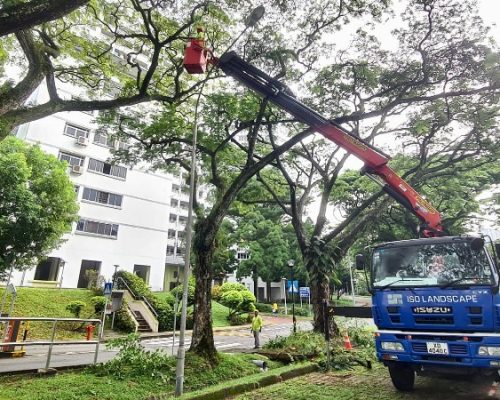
x,y
52,342
120,280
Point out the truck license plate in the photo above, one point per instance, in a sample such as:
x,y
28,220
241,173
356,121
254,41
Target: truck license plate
x,y
437,348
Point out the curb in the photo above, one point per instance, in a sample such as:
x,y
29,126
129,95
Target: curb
x,y
264,381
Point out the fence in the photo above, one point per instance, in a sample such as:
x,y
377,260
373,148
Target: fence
x,y
51,343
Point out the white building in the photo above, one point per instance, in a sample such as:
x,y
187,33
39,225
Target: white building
x,y
130,219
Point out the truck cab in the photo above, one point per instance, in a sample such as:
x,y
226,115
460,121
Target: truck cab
x,y
436,305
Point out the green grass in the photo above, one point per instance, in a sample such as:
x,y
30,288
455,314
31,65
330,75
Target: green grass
x,y
219,314
86,385
38,302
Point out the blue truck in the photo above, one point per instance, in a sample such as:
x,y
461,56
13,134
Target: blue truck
x,y
436,305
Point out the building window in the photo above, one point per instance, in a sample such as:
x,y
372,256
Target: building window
x,y
89,273
48,269
77,189
182,220
171,234
103,139
107,169
180,251
184,205
170,250
175,188
173,217
97,196
71,159
97,228
185,189
180,235
242,255
122,145
174,202
142,271
75,131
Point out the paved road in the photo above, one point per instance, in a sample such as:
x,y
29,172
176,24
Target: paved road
x,y
237,339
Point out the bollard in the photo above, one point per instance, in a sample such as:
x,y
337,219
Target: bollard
x,y
90,331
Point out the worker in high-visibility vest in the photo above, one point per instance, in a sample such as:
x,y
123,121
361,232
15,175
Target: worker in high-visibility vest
x,y
257,324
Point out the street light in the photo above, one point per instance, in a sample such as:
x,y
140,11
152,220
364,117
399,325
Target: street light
x,y
284,292
291,263
251,21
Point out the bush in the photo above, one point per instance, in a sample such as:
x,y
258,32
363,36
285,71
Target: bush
x,y
307,344
99,303
262,307
123,320
237,298
237,319
75,308
180,288
216,292
95,282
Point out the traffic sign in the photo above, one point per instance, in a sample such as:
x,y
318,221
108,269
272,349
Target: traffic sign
x,y
295,286
108,287
304,291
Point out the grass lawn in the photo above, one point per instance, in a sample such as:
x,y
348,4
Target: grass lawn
x,y
38,302
372,384
219,315
87,385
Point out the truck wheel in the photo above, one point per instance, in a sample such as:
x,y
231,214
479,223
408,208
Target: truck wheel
x,y
402,376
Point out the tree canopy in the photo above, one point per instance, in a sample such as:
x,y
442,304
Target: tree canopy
x,y
37,204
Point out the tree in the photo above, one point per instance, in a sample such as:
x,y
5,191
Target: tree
x,y
364,87
117,53
439,111
267,247
37,204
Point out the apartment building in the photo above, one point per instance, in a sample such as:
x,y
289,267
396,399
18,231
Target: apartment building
x,y
129,218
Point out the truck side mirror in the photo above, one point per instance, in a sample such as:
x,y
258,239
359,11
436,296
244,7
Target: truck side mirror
x,y
360,262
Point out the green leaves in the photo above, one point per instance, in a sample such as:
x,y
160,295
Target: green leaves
x,y
37,203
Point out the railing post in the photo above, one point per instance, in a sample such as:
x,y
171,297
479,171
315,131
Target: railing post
x,y
96,353
49,355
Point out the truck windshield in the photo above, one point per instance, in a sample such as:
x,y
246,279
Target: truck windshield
x,y
441,264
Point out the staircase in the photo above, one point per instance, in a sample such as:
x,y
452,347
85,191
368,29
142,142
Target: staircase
x,y
143,325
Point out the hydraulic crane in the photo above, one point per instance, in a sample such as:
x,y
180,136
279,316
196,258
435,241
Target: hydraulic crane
x,y
196,59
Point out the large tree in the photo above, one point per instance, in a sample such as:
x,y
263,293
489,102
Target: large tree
x,y
37,204
236,130
433,100
116,52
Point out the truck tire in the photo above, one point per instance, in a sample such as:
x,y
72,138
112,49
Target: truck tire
x,y
402,376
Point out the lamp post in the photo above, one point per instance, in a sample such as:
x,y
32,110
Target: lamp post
x,y
62,263
284,292
291,263
250,21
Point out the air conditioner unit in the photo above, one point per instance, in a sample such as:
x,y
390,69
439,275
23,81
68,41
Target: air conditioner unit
x,y
82,141
77,169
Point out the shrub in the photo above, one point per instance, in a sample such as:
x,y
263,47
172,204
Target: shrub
x,y
216,292
95,282
123,320
307,344
262,307
99,303
237,298
236,319
179,289
75,308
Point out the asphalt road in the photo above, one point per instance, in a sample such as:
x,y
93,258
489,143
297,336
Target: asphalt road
x,y
228,340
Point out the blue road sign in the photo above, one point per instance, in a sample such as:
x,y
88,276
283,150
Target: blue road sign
x,y
108,287
304,291
295,286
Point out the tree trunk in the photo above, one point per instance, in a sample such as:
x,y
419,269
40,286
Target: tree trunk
x,y
202,341
268,291
255,278
320,291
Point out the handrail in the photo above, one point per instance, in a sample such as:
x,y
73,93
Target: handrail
x,y
52,342
137,297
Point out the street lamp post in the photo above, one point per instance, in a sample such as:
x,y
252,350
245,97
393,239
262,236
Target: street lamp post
x,y
250,21
291,263
284,292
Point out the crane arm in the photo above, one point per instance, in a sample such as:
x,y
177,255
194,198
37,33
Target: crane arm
x,y
375,161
